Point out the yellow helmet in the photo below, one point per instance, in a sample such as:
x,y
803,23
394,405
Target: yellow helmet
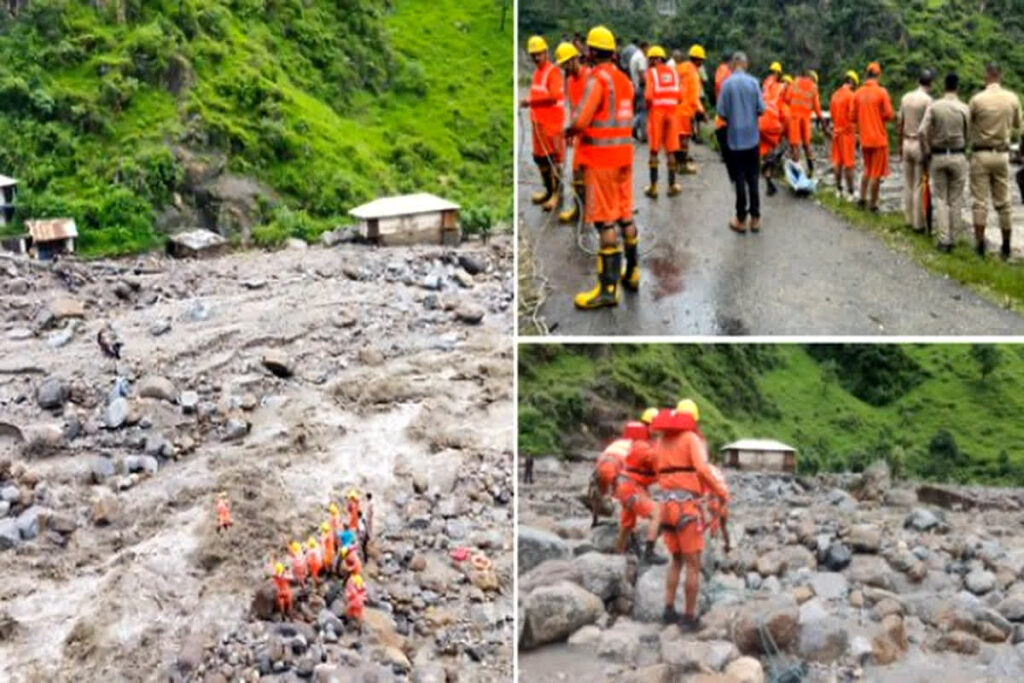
x,y
776,67
358,580
814,75
296,547
601,38
787,79
564,52
278,569
311,543
325,527
697,52
353,494
536,44
852,75
687,405
332,508
649,415
656,51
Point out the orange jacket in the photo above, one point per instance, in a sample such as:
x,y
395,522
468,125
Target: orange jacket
x,y
314,561
353,515
721,73
662,89
327,547
770,124
771,87
547,101
299,567
336,523
575,86
605,119
355,597
689,90
640,464
840,108
223,513
284,593
610,463
871,110
682,465
353,565
804,99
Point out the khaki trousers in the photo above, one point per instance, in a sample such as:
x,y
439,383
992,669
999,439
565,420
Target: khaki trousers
x,y
948,174
990,174
913,172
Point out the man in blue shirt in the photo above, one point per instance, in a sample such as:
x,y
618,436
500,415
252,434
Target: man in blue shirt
x,y
740,103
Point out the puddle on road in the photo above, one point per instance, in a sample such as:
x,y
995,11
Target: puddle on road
x,y
667,263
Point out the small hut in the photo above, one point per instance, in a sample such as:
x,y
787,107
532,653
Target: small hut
x,y
8,193
409,219
52,236
759,454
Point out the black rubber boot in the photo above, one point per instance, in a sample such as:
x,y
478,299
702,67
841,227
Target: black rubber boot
x,y
810,167
1004,250
631,276
669,615
771,186
689,624
547,176
606,293
650,557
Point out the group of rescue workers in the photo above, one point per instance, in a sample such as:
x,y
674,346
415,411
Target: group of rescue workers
x,y
333,551
602,113
666,449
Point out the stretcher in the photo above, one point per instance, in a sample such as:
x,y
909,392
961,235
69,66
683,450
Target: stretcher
x,y
798,180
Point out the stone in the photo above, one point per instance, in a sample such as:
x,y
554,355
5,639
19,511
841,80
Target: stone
x,y
235,429
264,602
61,523
470,313
770,563
156,387
63,307
189,401
860,649
471,264
586,637
900,498
745,670
886,607
837,557
42,439
685,655
117,413
51,393
547,573
921,519
141,463
875,481
656,673
890,641
1012,607
865,538
101,469
606,576
278,363
780,617
536,546
190,656
623,642
829,585
160,327
29,522
870,570
10,493
157,445
980,581
296,244
555,612
61,338
10,537
106,509
959,642
823,640
802,594
464,279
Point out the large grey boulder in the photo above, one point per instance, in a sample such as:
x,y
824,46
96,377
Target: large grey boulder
x,y
821,637
549,572
607,576
536,546
829,585
553,613
780,616
685,655
160,388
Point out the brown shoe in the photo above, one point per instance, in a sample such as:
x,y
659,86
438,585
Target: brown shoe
x,y
755,225
738,226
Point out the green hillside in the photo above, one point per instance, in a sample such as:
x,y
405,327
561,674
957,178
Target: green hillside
x,y
925,408
329,103
904,35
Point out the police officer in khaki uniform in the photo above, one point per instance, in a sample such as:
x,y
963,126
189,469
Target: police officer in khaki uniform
x,y
943,136
995,115
912,108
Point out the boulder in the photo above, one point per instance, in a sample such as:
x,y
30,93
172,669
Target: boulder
x,y
771,563
586,637
278,363
870,570
829,585
156,387
555,612
685,655
106,509
100,469
141,463
607,576
921,519
536,546
837,557
959,642
745,670
263,602
63,307
470,313
890,641
1012,607
51,393
10,537
117,412
875,481
821,637
649,600
900,498
780,616
865,538
547,573
626,641
29,523
980,581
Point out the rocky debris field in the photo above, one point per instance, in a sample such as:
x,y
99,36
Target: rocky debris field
x,y
282,379
830,579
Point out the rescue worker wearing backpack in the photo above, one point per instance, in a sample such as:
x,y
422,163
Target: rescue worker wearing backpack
x,y
610,463
631,490
683,475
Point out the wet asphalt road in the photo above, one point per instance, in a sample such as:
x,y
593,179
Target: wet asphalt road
x,y
805,273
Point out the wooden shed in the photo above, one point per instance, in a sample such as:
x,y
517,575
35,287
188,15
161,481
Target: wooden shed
x,y
409,219
8,193
52,236
759,454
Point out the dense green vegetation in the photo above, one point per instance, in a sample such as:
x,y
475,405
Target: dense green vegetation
x,y
940,411
328,102
903,35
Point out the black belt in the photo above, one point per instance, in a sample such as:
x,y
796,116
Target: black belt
x,y
985,148
948,150
642,473
673,470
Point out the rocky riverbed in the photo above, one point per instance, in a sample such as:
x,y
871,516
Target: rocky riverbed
x,y
830,579
281,379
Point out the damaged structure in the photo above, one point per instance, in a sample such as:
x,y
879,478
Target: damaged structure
x,y
409,219
50,237
759,454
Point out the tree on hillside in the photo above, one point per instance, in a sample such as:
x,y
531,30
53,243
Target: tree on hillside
x,y
944,457
987,356
829,375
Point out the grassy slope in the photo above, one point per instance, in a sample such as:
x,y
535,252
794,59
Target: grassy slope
x,y
329,103
787,398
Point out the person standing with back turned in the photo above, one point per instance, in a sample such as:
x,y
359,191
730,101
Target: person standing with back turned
x,y
943,135
872,109
740,105
912,109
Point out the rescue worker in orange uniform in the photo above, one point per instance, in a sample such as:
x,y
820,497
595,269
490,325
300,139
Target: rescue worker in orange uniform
x,y
604,120
770,126
327,546
547,116
771,86
723,72
576,74
662,94
355,599
314,561
631,490
298,562
352,563
871,110
223,512
844,136
683,477
284,592
689,105
804,102
353,510
334,517
610,462
718,509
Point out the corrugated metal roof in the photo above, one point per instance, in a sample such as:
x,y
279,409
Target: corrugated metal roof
x,y
758,445
403,205
7,182
51,229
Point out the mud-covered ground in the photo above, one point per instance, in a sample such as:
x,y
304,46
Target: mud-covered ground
x,y
393,375
856,578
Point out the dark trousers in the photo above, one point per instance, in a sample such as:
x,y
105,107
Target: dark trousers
x,y
722,135
745,170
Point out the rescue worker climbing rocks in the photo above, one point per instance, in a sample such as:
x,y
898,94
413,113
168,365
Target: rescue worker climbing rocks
x,y
631,490
223,512
603,120
355,598
547,116
576,74
298,562
283,599
663,94
683,477
609,465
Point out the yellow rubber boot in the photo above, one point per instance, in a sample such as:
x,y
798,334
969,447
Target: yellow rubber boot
x,y
674,188
606,292
573,214
547,176
555,199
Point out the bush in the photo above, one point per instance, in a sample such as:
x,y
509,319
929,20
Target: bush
x,y
476,220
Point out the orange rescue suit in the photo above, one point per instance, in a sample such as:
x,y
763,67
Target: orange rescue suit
x,y
284,594
718,508
662,93
575,86
771,87
355,598
843,131
689,97
683,476
609,464
871,110
299,566
353,515
314,563
547,111
327,546
770,126
638,472
223,514
721,73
